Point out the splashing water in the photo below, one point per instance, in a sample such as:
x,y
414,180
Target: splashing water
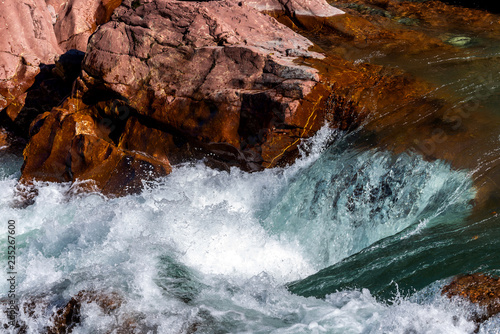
x,y
211,252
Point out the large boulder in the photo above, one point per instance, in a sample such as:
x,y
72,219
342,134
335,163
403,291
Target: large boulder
x,y
210,71
171,80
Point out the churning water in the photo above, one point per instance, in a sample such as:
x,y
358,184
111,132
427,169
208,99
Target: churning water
x,y
205,251
347,240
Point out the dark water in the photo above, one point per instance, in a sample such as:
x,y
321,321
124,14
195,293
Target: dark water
x,y
490,6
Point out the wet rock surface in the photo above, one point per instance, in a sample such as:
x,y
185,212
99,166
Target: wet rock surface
x,y
75,147
176,80
66,316
479,289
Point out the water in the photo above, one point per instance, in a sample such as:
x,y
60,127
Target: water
x,y
356,237
214,252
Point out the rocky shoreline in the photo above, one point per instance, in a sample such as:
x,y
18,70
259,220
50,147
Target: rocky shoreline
x,y
234,83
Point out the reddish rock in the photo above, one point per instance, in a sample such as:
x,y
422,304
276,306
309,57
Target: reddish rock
x,y
190,78
317,8
27,41
179,80
216,71
76,20
479,289
30,47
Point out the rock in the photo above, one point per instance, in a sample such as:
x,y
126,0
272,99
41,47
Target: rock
x,y
429,14
201,69
354,36
65,319
52,85
169,81
78,19
317,8
479,289
28,85
459,41
68,145
28,41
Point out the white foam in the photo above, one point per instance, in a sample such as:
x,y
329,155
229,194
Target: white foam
x,y
209,224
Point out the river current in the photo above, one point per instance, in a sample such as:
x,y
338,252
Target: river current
x,y
350,239
209,251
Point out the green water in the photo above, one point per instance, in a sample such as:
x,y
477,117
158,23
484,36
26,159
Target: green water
x,y
454,241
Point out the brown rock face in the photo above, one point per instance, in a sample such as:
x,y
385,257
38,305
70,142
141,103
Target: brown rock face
x,y
29,82
68,145
479,289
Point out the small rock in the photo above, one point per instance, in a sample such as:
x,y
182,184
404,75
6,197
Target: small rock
x,y
480,289
459,41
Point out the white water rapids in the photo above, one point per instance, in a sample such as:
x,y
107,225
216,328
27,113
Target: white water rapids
x,y
207,251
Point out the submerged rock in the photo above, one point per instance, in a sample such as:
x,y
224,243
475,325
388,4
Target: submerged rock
x,y
480,289
67,318
459,40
